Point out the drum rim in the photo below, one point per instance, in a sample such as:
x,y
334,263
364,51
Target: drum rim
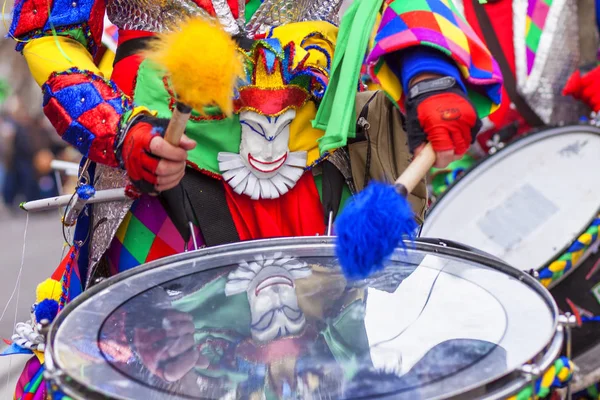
x,y
511,147
509,383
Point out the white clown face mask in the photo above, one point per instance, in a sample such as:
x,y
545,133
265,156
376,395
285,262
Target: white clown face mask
x,y
264,168
270,286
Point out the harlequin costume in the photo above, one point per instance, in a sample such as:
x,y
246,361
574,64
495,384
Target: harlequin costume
x,y
544,44
89,111
295,60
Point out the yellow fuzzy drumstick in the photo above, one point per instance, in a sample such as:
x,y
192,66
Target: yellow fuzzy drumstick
x,y
203,64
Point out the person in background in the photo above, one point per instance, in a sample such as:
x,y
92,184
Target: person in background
x,y
21,177
548,55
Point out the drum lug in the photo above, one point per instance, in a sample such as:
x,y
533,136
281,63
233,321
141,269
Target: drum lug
x,y
52,375
534,273
99,280
594,119
568,321
531,370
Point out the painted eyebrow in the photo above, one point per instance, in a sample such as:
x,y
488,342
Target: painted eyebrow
x,y
282,127
262,133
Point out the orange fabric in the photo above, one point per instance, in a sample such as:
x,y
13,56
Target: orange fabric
x,y
297,213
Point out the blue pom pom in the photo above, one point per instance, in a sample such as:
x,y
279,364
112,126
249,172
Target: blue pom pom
x,y
370,227
46,309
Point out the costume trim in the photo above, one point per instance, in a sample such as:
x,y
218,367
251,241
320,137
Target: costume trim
x,y
557,376
435,23
244,181
569,259
87,111
36,18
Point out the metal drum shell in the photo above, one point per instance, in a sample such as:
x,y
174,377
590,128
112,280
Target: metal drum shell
x,y
498,387
505,151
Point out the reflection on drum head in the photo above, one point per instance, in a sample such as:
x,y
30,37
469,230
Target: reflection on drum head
x,y
281,324
277,326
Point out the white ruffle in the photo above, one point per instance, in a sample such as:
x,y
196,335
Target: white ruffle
x,y
244,181
239,280
27,337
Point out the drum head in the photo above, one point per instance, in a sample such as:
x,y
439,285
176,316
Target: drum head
x,y
527,203
276,319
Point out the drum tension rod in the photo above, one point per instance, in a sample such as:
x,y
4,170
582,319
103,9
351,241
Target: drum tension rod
x,y
532,373
330,224
568,321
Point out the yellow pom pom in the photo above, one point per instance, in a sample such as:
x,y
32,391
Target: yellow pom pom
x,y
49,289
202,61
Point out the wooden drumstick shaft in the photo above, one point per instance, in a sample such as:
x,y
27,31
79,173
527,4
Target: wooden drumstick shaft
x,y
176,127
416,170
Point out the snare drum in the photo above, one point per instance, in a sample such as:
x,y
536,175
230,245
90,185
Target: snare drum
x,y
277,319
535,205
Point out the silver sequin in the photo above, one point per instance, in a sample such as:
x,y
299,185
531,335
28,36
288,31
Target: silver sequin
x,y
159,15
225,17
151,15
106,217
274,13
556,58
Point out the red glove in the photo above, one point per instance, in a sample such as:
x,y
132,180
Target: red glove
x,y
446,119
585,88
152,164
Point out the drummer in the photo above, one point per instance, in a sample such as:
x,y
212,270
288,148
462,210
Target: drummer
x,y
263,207
541,87
270,142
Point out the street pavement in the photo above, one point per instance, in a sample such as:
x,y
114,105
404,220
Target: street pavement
x,y
43,250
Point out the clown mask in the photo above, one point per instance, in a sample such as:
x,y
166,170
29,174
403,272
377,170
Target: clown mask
x,y
270,286
264,168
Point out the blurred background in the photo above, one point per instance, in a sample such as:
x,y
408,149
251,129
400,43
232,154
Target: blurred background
x,y
28,143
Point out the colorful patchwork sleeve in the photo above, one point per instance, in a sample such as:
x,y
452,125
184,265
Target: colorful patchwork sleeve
x,y
87,111
81,20
437,24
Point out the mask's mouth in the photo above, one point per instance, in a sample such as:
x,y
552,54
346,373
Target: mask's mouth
x,y
272,281
267,166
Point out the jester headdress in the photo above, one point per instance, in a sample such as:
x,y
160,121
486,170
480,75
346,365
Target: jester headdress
x,y
285,80
283,77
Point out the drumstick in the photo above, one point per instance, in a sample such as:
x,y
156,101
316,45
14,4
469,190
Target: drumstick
x,y
202,63
176,127
376,220
202,72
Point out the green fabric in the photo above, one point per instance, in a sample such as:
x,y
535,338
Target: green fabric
x,y
346,336
138,240
218,316
339,99
346,193
212,310
251,8
442,178
4,90
212,136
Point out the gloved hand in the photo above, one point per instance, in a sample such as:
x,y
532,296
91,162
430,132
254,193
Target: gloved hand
x,y
447,119
153,165
168,349
585,87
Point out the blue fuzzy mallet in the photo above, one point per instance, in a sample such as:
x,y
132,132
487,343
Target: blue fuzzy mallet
x,y
377,219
